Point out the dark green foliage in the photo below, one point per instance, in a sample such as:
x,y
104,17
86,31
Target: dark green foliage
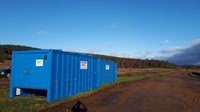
x,y
6,50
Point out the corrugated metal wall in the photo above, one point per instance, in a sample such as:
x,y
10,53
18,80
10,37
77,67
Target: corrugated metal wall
x,y
65,73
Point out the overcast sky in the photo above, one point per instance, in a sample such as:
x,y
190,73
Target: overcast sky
x,y
159,29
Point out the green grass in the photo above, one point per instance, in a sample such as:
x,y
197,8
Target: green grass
x,y
36,103
131,78
33,103
144,76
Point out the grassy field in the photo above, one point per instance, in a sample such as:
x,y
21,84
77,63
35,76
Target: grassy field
x,y
36,103
144,75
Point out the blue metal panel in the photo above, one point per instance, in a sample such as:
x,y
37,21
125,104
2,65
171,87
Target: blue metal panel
x,y
59,74
78,75
68,78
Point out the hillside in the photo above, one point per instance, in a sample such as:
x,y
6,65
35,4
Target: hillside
x,y
6,52
138,63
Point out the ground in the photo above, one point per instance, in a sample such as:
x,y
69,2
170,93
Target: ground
x,y
5,64
177,92
149,90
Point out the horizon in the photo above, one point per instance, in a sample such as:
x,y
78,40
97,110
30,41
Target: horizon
x,y
165,30
96,54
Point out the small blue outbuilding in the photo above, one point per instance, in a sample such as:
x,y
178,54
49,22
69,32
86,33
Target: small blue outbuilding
x,y
57,74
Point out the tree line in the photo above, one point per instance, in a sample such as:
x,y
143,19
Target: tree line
x,y
138,63
6,54
6,50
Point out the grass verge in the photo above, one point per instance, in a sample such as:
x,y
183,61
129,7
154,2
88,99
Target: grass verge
x,y
146,75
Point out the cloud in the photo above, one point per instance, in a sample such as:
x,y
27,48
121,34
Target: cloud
x,y
139,52
195,42
145,53
42,33
93,50
170,50
69,49
164,42
186,56
148,52
120,54
111,45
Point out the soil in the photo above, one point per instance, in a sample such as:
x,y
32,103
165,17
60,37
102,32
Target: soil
x,y
5,64
177,92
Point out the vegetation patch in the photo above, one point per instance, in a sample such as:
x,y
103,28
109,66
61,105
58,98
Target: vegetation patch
x,y
143,76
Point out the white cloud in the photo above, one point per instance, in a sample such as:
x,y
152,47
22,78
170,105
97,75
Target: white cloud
x,y
93,50
42,33
69,49
195,42
124,55
145,53
164,42
170,50
111,45
148,52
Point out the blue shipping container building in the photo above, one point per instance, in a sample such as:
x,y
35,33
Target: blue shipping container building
x,y
57,74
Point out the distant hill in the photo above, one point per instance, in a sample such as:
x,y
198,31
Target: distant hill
x,y
6,52
138,63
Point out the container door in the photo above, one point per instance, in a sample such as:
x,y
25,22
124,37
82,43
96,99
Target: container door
x,y
31,70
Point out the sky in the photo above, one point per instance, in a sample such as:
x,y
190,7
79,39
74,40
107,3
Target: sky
x,y
145,29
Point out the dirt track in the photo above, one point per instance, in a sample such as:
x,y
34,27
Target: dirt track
x,y
171,93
